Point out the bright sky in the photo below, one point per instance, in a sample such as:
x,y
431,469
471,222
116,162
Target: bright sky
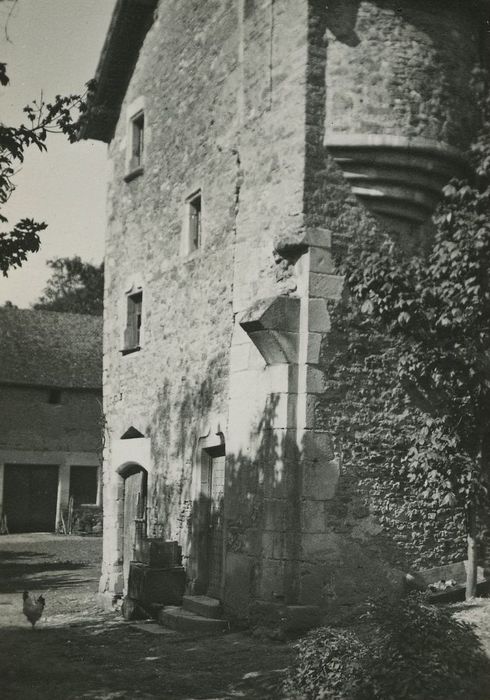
x,y
54,46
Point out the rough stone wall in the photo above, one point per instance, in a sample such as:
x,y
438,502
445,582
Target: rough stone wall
x,y
29,422
175,387
402,67
272,53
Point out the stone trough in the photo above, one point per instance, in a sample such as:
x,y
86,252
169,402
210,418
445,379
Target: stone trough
x,y
422,580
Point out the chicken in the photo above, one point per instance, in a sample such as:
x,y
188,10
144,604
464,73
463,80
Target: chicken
x,y
32,609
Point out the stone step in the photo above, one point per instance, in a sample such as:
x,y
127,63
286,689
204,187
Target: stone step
x,y
184,621
202,605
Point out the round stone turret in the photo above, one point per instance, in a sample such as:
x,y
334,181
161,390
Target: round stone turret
x,y
400,106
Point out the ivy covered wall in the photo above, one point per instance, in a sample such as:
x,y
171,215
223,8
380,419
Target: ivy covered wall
x,y
373,423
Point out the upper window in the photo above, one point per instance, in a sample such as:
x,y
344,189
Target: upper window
x,y
132,333
195,222
54,396
136,145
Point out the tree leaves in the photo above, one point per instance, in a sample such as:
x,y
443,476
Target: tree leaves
x,y
75,286
65,115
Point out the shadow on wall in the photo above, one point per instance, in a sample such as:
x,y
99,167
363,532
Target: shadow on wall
x,y
175,441
342,19
283,543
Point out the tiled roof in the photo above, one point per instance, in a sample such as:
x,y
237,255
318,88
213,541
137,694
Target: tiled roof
x,y
52,349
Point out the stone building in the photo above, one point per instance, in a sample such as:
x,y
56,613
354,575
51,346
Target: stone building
x,y
247,140
50,416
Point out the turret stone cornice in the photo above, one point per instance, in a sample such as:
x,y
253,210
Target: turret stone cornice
x,y
397,178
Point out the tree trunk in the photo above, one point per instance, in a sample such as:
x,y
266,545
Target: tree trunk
x,y
471,571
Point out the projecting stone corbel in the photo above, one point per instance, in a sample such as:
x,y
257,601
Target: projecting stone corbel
x,y
272,324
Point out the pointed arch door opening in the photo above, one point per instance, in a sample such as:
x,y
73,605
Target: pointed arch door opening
x,y
211,540
134,515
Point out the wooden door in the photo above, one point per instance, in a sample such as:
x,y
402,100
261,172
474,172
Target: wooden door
x,y
30,496
134,517
216,483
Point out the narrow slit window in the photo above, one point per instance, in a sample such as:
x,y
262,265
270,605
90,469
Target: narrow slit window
x,y
137,141
195,222
132,334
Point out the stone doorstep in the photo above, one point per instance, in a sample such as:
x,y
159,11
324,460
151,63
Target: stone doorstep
x,y
287,618
184,621
202,605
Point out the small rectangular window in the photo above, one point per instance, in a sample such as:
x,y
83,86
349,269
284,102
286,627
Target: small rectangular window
x,y
54,396
132,333
195,221
137,141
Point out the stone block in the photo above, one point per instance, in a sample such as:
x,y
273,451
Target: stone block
x,y
284,410
315,380
276,545
321,260
318,238
181,620
317,446
266,343
202,605
288,342
313,587
322,547
279,478
310,403
313,349
326,286
279,514
244,540
240,583
318,316
282,378
273,585
239,357
279,313
276,619
313,516
243,384
320,479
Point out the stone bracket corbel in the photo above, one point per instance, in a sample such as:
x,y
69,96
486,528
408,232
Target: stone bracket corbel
x,y
272,324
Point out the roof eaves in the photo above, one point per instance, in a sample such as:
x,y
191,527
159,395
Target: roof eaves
x,y
129,25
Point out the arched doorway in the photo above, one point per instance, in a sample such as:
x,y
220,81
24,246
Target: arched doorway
x,y
135,489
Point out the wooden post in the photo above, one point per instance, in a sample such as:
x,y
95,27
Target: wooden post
x,y
471,572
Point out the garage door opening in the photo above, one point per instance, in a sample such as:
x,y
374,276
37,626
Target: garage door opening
x,y
30,493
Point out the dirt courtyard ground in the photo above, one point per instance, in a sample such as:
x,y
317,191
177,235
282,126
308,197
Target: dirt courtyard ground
x,y
76,651
79,652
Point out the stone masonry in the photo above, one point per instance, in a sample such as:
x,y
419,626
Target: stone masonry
x,y
298,121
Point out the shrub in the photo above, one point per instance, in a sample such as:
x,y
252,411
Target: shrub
x,y
330,664
400,650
